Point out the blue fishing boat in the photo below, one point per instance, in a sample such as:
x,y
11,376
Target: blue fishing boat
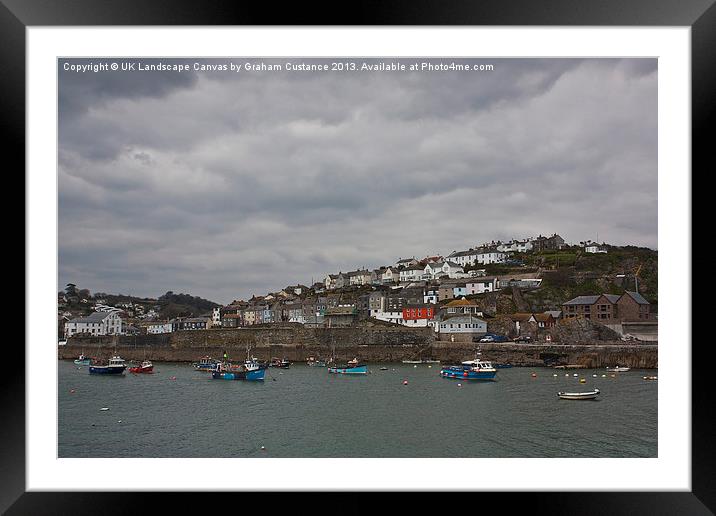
x,y
353,367
83,360
476,369
249,370
115,366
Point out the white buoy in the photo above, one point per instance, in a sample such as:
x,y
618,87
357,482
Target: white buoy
x,y
555,375
604,376
415,366
594,376
575,375
459,385
104,408
119,421
263,447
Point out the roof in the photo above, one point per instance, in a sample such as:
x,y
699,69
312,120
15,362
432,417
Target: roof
x,y
637,297
463,318
461,302
94,317
590,300
554,313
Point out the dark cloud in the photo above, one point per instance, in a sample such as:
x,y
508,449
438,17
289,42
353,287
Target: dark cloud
x,y
225,184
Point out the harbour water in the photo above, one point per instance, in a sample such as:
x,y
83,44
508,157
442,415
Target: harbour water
x,y
307,412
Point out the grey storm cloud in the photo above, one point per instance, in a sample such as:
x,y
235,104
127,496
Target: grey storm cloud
x,y
227,184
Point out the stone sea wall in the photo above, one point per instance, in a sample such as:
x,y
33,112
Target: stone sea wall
x,y
383,344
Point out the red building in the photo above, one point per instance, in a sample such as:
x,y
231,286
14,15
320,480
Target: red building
x,y
415,312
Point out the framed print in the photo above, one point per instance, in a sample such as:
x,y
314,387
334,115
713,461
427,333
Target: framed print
x,y
428,251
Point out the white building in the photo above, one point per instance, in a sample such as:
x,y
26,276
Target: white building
x,y
516,246
97,323
449,268
490,256
159,327
216,316
412,273
479,286
594,249
463,324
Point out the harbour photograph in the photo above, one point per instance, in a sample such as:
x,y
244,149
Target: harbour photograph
x,y
347,257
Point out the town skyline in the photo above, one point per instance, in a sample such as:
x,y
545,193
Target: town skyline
x,y
226,186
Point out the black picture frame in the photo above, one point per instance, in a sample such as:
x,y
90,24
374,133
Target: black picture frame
x,y
700,15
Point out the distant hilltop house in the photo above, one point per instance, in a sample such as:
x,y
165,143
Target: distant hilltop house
x,y
516,246
553,243
97,323
593,248
406,262
608,308
479,255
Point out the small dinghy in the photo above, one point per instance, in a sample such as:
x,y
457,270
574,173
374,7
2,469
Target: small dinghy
x,y
578,395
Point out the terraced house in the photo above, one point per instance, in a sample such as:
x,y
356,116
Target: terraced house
x,y
608,308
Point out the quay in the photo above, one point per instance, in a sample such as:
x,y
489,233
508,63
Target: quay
x,y
368,344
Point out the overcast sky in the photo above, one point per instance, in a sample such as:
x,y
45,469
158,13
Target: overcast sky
x,y
224,184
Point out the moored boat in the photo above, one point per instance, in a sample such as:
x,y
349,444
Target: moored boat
x,y
83,360
280,362
618,369
115,366
353,367
250,370
476,369
590,395
146,367
206,364
315,362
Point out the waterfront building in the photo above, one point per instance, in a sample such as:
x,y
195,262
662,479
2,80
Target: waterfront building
x,y
97,323
417,315
158,327
462,324
190,323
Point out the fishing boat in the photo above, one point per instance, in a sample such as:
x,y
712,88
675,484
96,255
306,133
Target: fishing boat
x,y
590,395
618,369
650,378
431,361
476,369
280,362
115,366
146,367
250,370
353,367
83,360
205,364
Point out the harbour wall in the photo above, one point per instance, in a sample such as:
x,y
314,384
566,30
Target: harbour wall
x,y
382,344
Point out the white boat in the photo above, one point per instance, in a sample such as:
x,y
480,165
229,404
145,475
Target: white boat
x,y
578,395
618,369
412,361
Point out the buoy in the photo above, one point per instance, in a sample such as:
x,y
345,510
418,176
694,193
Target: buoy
x,y
430,366
614,376
415,366
405,382
104,408
575,375
594,376
172,377
555,375
566,374
534,375
119,421
263,447
72,391
582,380
459,385
604,376
465,374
